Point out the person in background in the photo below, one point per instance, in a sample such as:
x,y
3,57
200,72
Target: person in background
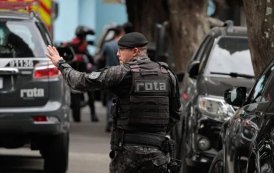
x,y
109,53
128,27
79,45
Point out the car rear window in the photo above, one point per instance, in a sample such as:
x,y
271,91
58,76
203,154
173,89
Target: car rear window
x,y
19,39
231,55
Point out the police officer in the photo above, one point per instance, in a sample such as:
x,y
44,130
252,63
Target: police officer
x,y
147,108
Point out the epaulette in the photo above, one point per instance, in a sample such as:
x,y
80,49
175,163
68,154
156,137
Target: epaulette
x,y
164,67
134,67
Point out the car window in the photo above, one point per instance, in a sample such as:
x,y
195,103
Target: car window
x,y
46,37
263,91
230,55
198,54
20,39
206,53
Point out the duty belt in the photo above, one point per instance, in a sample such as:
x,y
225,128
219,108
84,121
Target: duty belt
x,y
144,139
120,138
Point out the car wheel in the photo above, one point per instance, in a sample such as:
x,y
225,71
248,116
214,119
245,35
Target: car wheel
x,y
217,165
76,107
56,157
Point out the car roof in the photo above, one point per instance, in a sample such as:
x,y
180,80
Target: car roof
x,y
16,15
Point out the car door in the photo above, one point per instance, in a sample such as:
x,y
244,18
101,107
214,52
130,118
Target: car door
x,y
189,92
245,124
262,145
187,88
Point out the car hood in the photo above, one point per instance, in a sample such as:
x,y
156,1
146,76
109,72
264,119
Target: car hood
x,y
217,85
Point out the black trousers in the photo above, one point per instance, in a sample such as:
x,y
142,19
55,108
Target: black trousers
x,y
136,159
91,103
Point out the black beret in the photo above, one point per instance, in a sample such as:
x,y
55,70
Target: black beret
x,y
133,39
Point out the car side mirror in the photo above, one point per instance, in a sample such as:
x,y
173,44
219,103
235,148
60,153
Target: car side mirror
x,y
180,76
235,96
193,68
66,52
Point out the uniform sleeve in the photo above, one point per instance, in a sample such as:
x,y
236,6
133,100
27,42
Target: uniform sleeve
x,y
174,102
99,80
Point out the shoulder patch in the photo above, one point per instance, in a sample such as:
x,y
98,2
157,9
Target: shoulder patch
x,y
94,75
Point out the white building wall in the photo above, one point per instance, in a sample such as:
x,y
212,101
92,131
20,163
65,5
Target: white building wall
x,y
67,20
92,13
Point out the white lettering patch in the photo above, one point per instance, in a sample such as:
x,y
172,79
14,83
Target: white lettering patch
x,y
150,86
30,93
94,75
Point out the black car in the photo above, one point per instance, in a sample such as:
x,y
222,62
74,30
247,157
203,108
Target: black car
x,y
247,139
34,100
222,60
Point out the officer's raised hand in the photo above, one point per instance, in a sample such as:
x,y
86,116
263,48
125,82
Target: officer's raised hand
x,y
53,55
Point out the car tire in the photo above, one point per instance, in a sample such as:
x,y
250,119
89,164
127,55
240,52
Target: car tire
x,y
56,157
76,100
217,165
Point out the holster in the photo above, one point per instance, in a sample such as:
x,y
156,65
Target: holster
x,y
168,145
117,140
114,109
174,166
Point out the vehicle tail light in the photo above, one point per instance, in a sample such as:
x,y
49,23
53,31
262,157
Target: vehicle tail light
x,y
45,71
40,119
45,120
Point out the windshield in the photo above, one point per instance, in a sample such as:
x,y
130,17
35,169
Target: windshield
x,y
20,39
230,55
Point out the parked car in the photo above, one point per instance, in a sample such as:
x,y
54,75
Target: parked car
x,y
246,139
34,100
222,60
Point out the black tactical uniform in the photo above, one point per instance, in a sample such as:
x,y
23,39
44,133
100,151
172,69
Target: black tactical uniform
x,y
148,106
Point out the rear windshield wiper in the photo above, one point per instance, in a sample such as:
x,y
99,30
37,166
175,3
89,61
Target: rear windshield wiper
x,y
234,74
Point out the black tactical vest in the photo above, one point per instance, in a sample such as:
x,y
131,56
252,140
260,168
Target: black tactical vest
x,y
146,108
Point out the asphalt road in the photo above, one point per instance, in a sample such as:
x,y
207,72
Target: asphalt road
x,y
89,148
